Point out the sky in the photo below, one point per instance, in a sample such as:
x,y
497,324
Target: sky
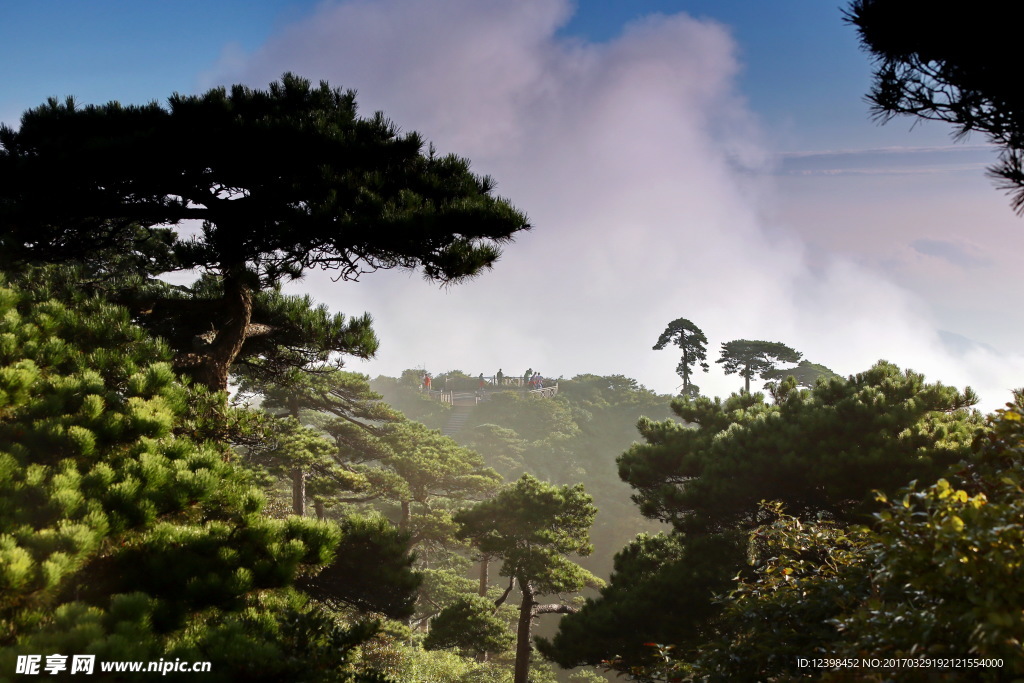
x,y
700,159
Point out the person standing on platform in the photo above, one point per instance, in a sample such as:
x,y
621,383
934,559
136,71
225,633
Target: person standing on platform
x,y
500,376
527,376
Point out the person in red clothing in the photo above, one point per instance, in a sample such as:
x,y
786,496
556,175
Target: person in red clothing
x,y
426,381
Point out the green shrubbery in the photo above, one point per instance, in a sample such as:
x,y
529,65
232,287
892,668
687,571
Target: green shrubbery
x,y
119,537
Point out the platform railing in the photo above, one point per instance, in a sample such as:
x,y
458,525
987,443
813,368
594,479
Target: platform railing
x,y
547,389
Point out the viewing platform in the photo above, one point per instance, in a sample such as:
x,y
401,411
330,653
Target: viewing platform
x,y
465,391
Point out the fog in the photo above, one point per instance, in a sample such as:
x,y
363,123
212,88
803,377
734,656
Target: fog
x,y
653,194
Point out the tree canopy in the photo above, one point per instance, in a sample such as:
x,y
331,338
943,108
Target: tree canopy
x,y
532,526
820,449
748,358
805,373
952,66
113,523
691,340
937,573
820,452
282,181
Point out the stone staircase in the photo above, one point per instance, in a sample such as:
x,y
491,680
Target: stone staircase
x,y
462,406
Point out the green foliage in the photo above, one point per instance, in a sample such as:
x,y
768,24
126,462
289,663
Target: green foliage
x,y
403,662
404,395
285,332
388,588
429,466
295,445
659,592
292,332
938,574
328,458
531,526
532,417
469,626
949,66
502,447
817,450
328,390
223,424
806,373
808,573
597,421
280,636
355,452
117,536
690,338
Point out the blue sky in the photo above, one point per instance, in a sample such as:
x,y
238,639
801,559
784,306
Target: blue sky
x,y
802,70
700,159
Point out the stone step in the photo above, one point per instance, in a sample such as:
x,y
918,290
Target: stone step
x,y
457,420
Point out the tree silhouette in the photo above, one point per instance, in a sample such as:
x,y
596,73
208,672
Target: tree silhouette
x,y
281,181
690,338
747,358
950,66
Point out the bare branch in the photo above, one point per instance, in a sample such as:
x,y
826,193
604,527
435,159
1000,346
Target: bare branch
x,y
554,609
504,596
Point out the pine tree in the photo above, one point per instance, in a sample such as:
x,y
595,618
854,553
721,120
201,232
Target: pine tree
x,y
283,181
749,358
285,333
952,66
531,526
119,537
819,452
345,425
936,573
823,449
690,338
431,473
338,442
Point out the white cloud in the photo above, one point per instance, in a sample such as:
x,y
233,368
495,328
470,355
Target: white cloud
x,y
629,157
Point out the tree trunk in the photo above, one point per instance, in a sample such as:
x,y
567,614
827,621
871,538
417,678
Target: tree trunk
x,y
484,561
215,362
403,523
318,505
686,367
298,491
523,634
298,476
